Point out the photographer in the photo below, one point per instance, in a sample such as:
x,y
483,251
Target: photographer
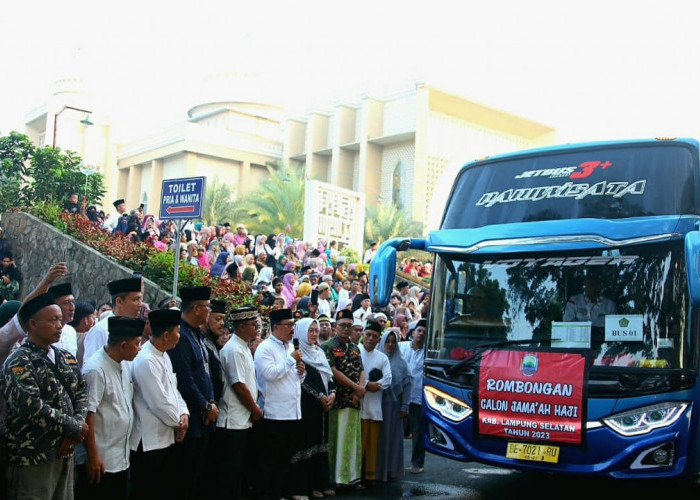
x,y
10,278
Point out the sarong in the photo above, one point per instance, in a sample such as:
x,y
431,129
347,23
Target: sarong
x,y
345,446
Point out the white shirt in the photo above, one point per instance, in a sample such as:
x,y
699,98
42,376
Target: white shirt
x,y
371,407
361,313
109,393
157,403
369,255
237,366
69,340
580,308
279,384
324,307
10,336
111,222
96,337
414,359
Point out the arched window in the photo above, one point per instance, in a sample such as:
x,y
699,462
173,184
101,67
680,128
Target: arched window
x,y
396,185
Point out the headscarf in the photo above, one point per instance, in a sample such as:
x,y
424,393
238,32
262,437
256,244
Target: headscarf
x,y
232,271
238,259
154,229
343,302
400,376
279,267
398,319
92,214
218,267
288,291
312,354
265,274
122,225
203,258
248,274
214,250
303,290
259,245
301,250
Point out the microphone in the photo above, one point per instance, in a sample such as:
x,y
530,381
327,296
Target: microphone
x,y
295,342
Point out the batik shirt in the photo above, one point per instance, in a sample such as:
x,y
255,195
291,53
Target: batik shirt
x,y
347,360
41,411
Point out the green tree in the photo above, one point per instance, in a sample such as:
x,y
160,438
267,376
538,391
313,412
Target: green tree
x,y
15,151
219,203
33,175
383,222
278,202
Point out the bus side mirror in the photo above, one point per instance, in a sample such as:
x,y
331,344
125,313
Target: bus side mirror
x,y
382,272
692,256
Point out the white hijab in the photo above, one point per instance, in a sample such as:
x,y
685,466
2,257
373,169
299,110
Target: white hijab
x,y
311,354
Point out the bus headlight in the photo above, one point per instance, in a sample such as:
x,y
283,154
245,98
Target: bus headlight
x,y
646,419
446,405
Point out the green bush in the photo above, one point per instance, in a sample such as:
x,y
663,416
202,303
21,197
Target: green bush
x,y
351,256
50,213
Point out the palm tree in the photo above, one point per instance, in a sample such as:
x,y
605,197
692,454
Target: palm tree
x,y
219,204
277,203
383,222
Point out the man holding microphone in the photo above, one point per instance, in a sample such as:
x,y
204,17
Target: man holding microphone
x,y
280,372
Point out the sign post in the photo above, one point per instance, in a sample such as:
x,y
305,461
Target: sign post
x,y
181,199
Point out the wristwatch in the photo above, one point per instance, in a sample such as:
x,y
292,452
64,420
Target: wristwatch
x,y
208,407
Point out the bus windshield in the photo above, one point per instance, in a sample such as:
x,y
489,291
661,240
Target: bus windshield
x,y
610,182
626,307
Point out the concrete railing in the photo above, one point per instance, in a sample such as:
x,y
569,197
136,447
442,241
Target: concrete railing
x,y
37,245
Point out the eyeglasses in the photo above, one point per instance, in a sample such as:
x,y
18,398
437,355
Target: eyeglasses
x,y
343,326
208,306
288,325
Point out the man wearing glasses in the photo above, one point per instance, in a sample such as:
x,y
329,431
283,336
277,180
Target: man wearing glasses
x,y
279,372
344,426
190,361
239,408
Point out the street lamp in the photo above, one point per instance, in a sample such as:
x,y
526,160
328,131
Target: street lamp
x,y
87,172
85,121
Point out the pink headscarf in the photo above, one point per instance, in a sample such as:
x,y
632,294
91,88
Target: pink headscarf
x,y
288,291
301,250
203,260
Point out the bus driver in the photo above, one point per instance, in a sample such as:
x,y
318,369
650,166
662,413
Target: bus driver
x,y
590,305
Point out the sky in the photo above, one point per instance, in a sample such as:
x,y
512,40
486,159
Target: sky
x,y
593,70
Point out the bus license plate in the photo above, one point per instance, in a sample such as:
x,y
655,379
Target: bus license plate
x,y
534,452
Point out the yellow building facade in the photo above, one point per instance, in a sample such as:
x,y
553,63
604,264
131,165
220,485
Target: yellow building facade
x,y
397,148
401,147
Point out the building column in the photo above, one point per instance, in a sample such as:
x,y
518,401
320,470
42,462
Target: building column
x,y
156,185
133,187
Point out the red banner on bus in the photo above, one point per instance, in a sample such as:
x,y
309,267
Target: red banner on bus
x,y
535,396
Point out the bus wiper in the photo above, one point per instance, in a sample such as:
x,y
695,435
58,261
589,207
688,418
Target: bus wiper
x,y
469,361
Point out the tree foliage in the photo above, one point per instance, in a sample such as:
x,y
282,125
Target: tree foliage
x,y
276,203
30,175
383,222
219,204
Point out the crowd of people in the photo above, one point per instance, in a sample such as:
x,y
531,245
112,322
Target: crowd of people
x,y
187,399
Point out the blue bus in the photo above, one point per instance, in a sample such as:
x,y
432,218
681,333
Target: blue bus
x,y
563,332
